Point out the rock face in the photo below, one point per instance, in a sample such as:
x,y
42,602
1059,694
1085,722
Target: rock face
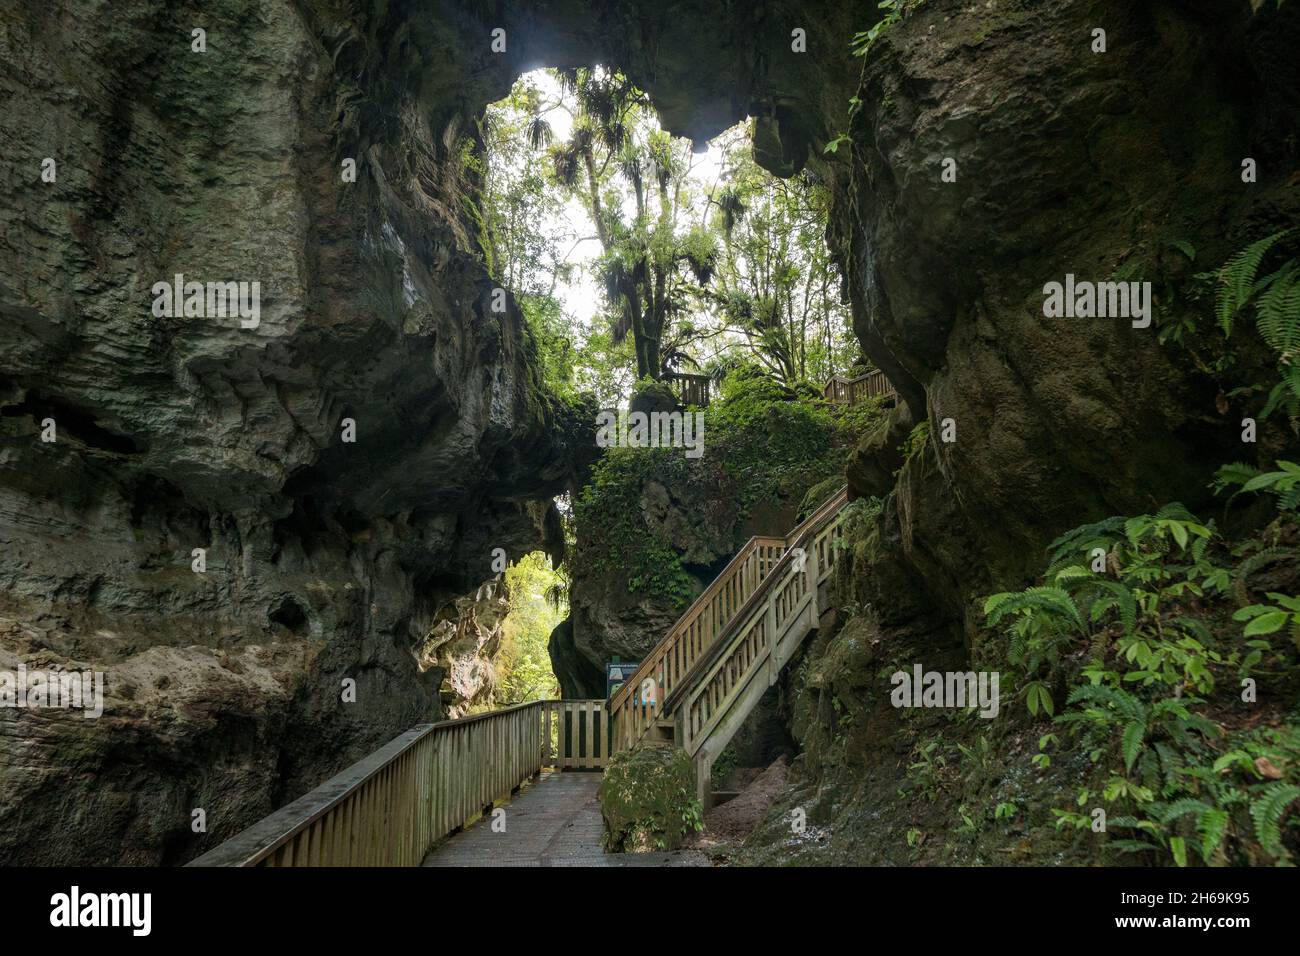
x,y
326,560
1072,161
1102,165
329,560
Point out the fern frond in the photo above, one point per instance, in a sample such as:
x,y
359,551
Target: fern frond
x,y
1118,701
1123,599
1277,312
1236,473
1177,511
1072,543
1261,559
1131,741
1267,813
1051,600
1180,808
1211,825
1236,280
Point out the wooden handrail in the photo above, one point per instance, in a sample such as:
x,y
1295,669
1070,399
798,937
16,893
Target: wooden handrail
x,y
675,654
390,807
691,389
693,610
710,708
850,391
798,537
679,654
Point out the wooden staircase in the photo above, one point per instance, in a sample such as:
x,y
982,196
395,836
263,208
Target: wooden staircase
x,y
701,681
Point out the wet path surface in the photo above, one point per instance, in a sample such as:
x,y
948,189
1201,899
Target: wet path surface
x,y
553,822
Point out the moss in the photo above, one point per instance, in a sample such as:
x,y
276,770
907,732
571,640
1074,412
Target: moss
x,y
649,395
762,445
647,799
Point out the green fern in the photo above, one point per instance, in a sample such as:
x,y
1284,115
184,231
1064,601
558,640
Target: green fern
x,y
1237,279
1212,825
1285,482
1277,310
1275,297
1180,808
1261,559
1235,473
1131,741
1083,539
1267,813
1120,596
1120,702
1052,600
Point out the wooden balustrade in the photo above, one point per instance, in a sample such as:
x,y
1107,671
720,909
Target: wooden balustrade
x,y
689,638
690,389
749,656
850,391
683,650
575,734
389,808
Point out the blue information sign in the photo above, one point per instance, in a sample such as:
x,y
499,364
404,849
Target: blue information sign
x,y
616,674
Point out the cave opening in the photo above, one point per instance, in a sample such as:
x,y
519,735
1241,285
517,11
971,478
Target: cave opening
x,y
653,272
537,601
635,254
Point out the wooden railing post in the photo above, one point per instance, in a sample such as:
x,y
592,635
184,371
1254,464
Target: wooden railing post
x,y
389,808
726,605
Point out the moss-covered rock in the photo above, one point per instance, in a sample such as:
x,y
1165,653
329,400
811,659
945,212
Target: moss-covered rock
x,y
654,527
651,396
647,799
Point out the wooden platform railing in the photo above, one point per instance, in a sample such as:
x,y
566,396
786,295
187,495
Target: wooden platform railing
x,y
749,656
391,807
635,706
697,390
850,391
575,734
680,656
690,389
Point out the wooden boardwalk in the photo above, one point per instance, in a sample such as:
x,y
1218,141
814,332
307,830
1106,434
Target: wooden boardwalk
x,y
693,690
552,822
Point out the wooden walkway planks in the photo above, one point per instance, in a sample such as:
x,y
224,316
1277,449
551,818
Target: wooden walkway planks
x,y
553,822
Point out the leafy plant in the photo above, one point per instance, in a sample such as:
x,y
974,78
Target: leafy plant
x,y
1284,483
894,11
1273,296
1131,623
1267,812
1269,619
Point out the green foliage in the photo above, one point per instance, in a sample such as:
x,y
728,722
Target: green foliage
x,y
1126,625
694,273
1267,812
833,147
894,11
927,769
611,532
1284,483
523,662
1273,295
762,444
774,295
647,799
1270,618
769,443
916,440
1043,622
